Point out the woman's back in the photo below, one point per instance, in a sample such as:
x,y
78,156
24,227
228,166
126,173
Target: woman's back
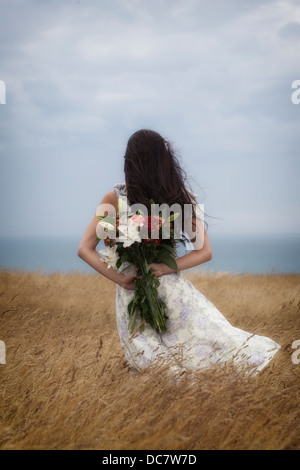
x,y
197,335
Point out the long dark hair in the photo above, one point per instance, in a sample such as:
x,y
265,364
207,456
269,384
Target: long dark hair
x,y
152,171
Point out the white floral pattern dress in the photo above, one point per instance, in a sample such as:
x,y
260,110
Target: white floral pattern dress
x,y
197,335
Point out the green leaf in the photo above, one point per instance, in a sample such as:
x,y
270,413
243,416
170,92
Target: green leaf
x,y
173,217
166,258
168,247
163,251
144,309
118,263
107,218
134,322
131,308
125,257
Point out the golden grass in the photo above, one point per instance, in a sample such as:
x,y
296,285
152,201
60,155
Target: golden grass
x,y
66,384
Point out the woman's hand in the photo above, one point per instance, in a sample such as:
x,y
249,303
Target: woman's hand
x,y
128,281
159,269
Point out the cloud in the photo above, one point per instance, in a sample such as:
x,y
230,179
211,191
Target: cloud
x,y
214,77
290,31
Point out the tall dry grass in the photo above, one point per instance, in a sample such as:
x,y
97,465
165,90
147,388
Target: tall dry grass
x,y
66,384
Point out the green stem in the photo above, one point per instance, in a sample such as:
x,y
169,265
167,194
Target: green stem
x,y
150,291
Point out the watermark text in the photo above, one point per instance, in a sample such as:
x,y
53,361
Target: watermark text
x,y
188,222
2,92
2,353
296,94
296,354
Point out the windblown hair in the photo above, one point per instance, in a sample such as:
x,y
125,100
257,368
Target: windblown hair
x,y
152,171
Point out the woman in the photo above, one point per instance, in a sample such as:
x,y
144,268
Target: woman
x,y
197,335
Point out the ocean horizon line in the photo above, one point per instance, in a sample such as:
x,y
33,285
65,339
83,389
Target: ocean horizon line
x,y
73,236
236,253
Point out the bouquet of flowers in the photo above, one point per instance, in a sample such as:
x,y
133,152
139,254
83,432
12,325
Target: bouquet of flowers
x,y
137,239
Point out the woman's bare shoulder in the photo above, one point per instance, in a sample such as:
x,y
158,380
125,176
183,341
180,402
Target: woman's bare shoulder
x,y
110,198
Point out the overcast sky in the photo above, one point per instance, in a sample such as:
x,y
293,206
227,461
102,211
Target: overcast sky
x,y
214,77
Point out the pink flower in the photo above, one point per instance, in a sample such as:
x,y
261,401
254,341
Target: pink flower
x,y
137,219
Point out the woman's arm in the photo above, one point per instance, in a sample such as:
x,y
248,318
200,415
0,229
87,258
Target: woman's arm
x,y
87,248
201,254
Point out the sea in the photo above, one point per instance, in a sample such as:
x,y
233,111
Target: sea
x,y
246,253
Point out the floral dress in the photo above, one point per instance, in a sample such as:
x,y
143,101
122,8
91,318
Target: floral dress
x,y
197,335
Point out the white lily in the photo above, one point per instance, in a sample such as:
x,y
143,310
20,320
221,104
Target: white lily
x,y
130,235
102,224
111,256
106,225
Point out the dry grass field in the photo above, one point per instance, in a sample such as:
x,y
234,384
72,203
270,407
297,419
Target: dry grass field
x,y
66,385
